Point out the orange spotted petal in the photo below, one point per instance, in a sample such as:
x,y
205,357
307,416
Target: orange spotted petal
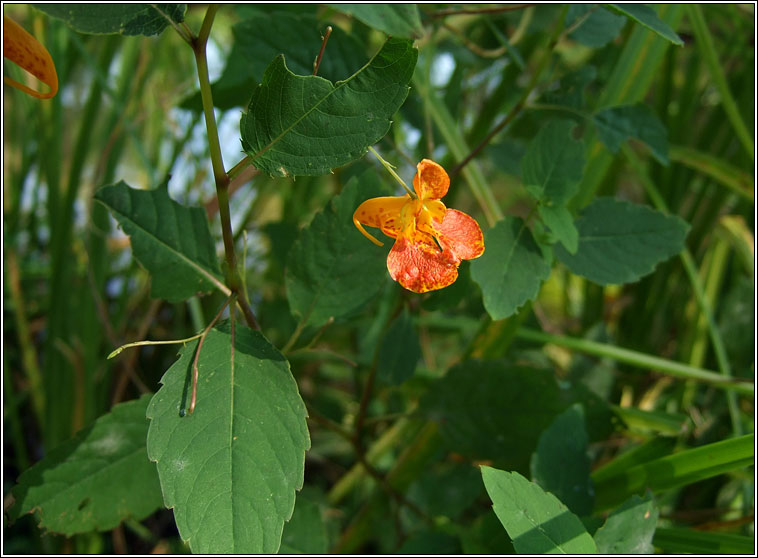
x,y
383,213
431,181
460,234
23,49
421,267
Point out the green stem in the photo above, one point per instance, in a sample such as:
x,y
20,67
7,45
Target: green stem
x,y
707,49
118,351
389,168
640,360
697,286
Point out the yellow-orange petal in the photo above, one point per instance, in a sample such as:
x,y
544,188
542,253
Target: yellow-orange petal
x,y
419,267
431,181
460,234
382,213
23,49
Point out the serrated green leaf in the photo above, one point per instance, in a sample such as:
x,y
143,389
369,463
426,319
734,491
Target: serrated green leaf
x,y
398,20
172,242
599,26
332,269
230,469
493,410
615,125
399,351
646,16
630,528
619,242
95,480
123,19
559,219
306,532
305,125
511,269
553,165
536,521
561,465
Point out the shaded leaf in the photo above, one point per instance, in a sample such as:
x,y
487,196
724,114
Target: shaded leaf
x,y
630,528
561,465
615,125
646,16
430,542
399,351
95,480
599,27
332,269
446,489
561,222
619,242
494,410
398,20
305,125
572,86
230,469
512,268
306,532
553,165
171,241
123,19
537,522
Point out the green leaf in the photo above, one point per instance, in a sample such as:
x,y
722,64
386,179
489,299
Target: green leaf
x,y
572,86
493,410
646,16
553,165
230,469
306,532
699,543
536,521
629,529
619,242
122,19
171,241
672,471
446,489
511,269
599,27
398,20
96,479
561,465
399,351
305,125
332,269
561,222
297,36
615,125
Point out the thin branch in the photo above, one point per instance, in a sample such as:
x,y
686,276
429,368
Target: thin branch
x,y
325,38
184,32
195,368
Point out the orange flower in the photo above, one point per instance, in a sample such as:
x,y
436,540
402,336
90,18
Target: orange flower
x,y
23,49
430,239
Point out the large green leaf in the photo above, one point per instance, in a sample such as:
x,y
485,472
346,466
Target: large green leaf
x,y
619,242
553,165
171,241
332,269
230,469
561,464
95,480
306,532
615,125
398,20
596,27
536,521
305,125
494,410
630,528
646,16
511,269
123,19
399,351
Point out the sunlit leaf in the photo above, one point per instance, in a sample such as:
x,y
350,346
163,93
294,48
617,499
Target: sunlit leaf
x,y
171,241
305,125
536,521
619,242
123,19
630,528
230,469
97,479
